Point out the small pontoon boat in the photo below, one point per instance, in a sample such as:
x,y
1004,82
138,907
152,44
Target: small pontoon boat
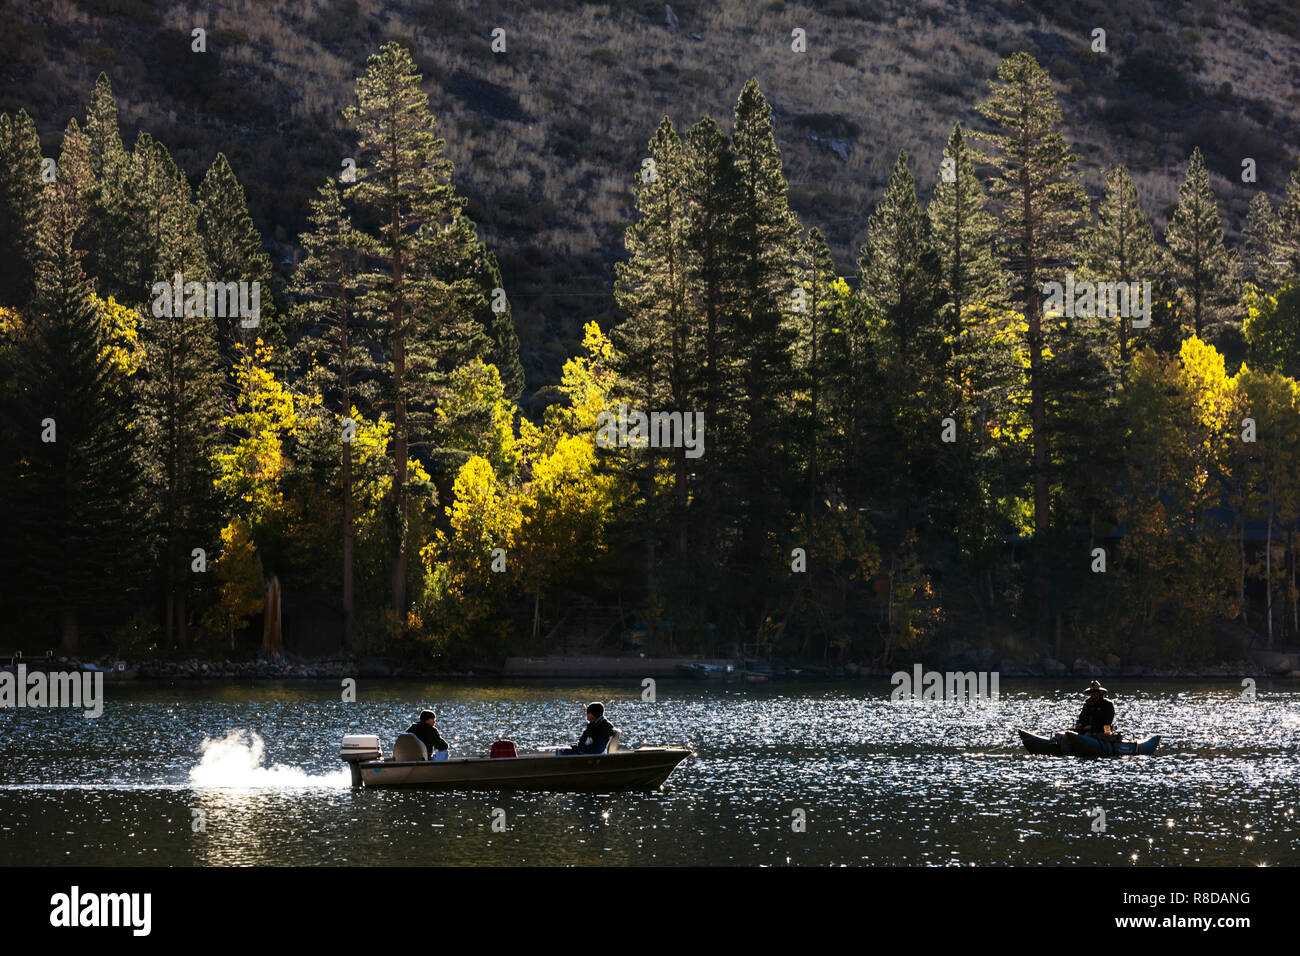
x,y
645,768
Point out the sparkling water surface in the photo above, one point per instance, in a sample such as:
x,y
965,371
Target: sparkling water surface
x,y
200,773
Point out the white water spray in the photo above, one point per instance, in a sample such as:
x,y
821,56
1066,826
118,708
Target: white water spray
x,y
236,761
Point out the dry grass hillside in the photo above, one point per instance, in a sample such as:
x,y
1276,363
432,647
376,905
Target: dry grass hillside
x,y
547,135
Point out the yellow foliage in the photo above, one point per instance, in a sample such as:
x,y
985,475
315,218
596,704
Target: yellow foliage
x,y
266,414
122,343
238,571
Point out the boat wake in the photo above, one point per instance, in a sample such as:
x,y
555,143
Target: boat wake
x,y
237,759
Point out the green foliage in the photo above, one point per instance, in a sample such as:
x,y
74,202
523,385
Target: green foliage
x,y
907,436
475,418
1177,565
238,571
1272,329
403,186
232,248
1260,263
1043,212
71,477
1122,247
962,231
1205,269
20,206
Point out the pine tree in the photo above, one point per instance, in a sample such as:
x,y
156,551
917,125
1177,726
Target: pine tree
x,y
900,274
232,247
900,279
180,407
1204,268
501,341
1042,213
404,186
107,224
1287,232
962,232
74,491
20,208
339,343
655,344
1122,247
179,392
1261,260
163,237
712,201
765,234
818,353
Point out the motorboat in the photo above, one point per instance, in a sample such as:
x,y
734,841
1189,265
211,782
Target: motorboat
x,y
645,768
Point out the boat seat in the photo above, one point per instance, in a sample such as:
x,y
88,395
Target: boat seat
x,y
613,741
409,747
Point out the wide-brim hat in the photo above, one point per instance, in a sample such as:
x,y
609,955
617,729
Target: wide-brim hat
x,y
1093,687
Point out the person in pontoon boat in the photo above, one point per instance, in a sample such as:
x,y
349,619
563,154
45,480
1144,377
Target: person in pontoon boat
x,y
1098,714
426,728
595,738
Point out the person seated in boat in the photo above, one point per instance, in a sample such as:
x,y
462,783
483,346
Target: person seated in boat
x,y
426,728
1098,714
595,738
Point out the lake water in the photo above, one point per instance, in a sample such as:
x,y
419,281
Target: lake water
x,y
878,782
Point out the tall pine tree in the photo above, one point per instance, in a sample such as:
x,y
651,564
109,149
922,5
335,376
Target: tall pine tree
x,y
1202,265
232,247
108,226
818,355
74,491
1042,213
1122,247
712,202
900,279
20,208
656,342
765,234
1261,260
1287,232
404,189
339,341
962,232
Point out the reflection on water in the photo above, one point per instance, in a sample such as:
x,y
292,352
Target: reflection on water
x,y
178,774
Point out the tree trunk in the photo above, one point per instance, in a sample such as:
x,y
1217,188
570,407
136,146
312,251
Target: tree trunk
x,y
1241,585
169,610
272,643
71,633
182,626
1295,610
651,585
349,520
348,543
1038,399
399,422
1268,569
812,431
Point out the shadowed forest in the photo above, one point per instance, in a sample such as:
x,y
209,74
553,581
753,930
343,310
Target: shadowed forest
x,y
930,450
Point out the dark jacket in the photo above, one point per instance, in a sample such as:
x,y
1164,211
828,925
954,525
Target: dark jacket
x,y
432,739
1097,715
595,738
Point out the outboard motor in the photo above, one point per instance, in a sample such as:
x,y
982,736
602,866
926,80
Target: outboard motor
x,y
356,749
